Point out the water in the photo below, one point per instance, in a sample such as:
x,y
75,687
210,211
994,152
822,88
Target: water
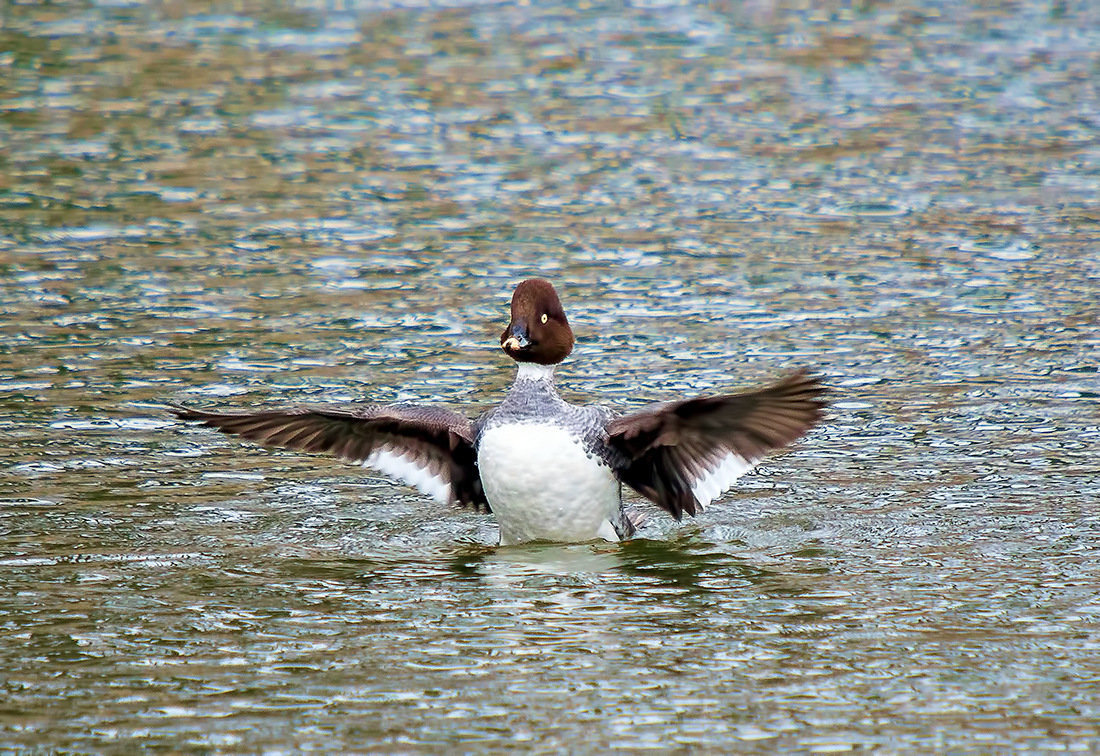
x,y
243,206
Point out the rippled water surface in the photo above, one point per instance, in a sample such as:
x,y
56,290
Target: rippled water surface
x,y
248,203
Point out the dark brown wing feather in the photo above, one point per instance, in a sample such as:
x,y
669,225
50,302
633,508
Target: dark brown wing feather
x,y
667,448
438,442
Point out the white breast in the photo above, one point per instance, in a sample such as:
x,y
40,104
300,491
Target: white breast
x,y
542,486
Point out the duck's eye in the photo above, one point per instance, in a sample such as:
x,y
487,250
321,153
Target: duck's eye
x,y
544,317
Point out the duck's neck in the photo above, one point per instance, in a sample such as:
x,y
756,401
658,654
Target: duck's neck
x,y
532,371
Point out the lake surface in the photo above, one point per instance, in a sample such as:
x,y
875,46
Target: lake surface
x,y
237,204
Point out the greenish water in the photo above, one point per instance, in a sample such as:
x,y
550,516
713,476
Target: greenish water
x,y
242,204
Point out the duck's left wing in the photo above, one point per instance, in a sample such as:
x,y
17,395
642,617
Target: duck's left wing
x,y
683,455
429,448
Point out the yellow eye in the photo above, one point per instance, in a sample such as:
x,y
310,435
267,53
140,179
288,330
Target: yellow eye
x,y
544,317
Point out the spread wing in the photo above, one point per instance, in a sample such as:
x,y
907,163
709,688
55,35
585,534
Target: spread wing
x,y
683,455
428,448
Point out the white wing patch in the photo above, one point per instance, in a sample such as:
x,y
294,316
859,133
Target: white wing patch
x,y
720,477
410,473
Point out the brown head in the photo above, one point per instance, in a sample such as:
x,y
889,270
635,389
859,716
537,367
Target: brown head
x,y
539,331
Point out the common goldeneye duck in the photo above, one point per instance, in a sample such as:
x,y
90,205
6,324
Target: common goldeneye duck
x,y
548,470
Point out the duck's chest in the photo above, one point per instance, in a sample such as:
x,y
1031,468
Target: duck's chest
x,y
542,483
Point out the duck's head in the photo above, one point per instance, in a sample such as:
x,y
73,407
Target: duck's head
x,y
539,331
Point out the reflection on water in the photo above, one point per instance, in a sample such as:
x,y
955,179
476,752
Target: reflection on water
x,y
256,204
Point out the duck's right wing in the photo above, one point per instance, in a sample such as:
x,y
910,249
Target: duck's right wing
x,y
429,448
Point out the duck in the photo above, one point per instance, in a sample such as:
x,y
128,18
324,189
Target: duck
x,y
548,470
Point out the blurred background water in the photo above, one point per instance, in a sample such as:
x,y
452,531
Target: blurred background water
x,y
240,203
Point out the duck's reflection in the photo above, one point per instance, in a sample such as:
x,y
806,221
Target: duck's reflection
x,y
687,562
